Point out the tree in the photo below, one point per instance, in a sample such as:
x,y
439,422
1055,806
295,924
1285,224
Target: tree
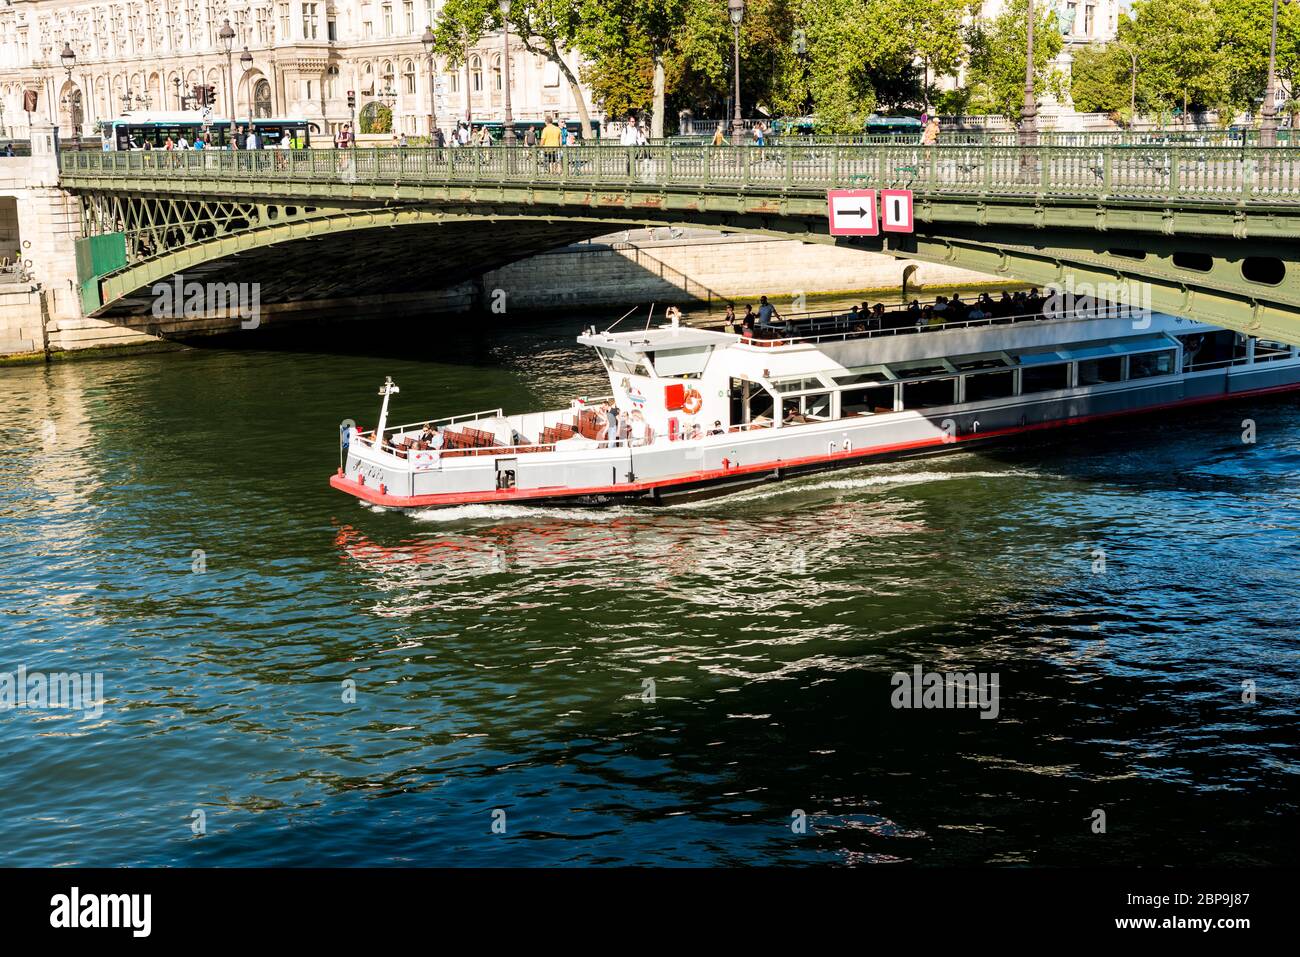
x,y
997,59
1181,61
1243,28
545,28
1100,79
461,24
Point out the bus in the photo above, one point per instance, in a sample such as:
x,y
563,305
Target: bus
x,y
134,130
495,129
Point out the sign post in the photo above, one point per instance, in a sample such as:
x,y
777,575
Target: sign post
x,y
896,211
852,212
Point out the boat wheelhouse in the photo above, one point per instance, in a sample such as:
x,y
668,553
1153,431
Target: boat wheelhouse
x,y
696,411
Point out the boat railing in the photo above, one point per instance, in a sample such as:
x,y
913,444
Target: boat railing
x,y
447,420
842,333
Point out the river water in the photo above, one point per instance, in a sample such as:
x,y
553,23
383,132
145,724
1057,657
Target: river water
x,y
681,686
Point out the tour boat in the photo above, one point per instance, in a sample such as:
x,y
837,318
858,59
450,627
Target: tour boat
x,y
704,412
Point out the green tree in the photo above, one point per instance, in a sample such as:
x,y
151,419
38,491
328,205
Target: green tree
x,y
998,50
1181,63
546,28
1100,79
1243,28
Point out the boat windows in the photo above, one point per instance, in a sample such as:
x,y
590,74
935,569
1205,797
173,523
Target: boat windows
x,y
864,375
623,363
920,368
680,363
1045,378
998,360
815,406
1151,364
1099,371
798,384
928,394
873,399
990,385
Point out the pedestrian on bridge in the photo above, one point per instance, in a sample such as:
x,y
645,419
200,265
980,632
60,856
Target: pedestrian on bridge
x,y
719,137
930,135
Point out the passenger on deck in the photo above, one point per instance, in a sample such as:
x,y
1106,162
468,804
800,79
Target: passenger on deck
x,y
914,311
674,316
1005,304
729,319
428,433
611,424
717,428
696,432
766,313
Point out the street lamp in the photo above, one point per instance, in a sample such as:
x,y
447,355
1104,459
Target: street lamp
x,y
1029,112
736,10
246,61
69,59
227,37
176,85
508,124
427,39
1268,118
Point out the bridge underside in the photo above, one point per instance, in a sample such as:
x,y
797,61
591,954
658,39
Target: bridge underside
x,y
370,246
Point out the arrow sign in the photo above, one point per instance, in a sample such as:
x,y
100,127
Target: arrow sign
x,y
896,211
852,212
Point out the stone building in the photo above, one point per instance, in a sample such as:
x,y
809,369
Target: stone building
x,y
306,56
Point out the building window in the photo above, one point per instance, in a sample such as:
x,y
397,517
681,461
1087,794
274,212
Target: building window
x,y
453,82
332,30
368,30
476,74
285,35
1088,13
429,17
309,21
408,73
408,11
496,72
388,19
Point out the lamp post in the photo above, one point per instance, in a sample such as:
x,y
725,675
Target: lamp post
x,y
246,61
1268,112
69,59
176,85
427,40
227,37
1029,111
508,123
736,10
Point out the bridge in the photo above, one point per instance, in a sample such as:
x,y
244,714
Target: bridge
x,y
1214,231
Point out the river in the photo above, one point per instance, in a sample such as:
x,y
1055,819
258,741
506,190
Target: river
x,y
306,681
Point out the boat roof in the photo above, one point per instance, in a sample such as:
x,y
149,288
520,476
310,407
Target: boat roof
x,y
661,337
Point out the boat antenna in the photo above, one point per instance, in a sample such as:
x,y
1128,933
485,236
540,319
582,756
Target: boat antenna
x,y
651,314
621,318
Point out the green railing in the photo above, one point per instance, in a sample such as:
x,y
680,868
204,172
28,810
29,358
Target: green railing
x,y
1223,174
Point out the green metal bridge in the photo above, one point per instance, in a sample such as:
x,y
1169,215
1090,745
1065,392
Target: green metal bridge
x,y
1213,230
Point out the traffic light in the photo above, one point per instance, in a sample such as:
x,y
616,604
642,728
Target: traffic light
x,y
212,96
201,96
352,99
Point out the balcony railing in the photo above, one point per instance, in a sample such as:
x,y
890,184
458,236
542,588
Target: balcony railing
x,y
1209,173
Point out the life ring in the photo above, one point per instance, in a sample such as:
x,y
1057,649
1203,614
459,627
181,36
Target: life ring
x,y
693,402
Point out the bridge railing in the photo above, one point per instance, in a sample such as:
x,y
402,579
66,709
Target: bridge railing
x,y
1158,172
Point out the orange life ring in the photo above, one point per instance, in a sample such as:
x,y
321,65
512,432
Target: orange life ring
x,y
693,402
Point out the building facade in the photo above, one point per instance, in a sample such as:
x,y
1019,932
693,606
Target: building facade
x,y
305,57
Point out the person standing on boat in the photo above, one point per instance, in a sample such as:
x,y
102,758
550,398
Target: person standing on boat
x,y
611,425
766,312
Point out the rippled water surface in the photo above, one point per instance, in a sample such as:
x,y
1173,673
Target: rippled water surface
x,y
502,657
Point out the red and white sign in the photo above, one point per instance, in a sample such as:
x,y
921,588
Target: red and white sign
x,y
852,212
896,210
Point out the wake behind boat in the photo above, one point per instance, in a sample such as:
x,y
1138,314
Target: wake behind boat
x,y
696,412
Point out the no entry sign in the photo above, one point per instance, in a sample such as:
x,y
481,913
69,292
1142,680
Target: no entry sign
x,y
852,212
896,210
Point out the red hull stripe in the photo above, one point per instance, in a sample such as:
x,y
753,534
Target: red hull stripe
x,y
372,494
